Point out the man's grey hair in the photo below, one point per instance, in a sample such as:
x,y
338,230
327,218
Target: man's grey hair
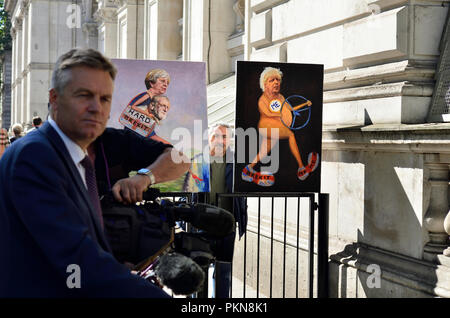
x,y
158,97
79,57
221,124
268,71
17,129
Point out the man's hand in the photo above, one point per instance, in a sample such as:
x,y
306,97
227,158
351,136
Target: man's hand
x,y
129,190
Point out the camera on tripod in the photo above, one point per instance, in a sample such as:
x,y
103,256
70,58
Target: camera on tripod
x,y
144,234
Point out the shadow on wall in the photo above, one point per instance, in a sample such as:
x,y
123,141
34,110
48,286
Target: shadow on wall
x,y
391,237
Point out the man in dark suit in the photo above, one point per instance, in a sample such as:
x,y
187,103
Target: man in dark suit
x,y
51,238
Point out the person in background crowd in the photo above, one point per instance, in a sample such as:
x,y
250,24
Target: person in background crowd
x,y
37,122
4,141
222,182
17,131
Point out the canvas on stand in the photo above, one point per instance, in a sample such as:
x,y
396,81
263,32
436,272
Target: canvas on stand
x,y
172,110
278,127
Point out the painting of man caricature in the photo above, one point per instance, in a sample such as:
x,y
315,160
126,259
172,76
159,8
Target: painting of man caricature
x,y
279,116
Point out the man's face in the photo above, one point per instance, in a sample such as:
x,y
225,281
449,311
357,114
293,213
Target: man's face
x,y
160,86
82,110
272,84
219,140
161,107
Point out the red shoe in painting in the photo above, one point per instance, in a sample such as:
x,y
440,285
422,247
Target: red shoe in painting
x,y
313,161
264,179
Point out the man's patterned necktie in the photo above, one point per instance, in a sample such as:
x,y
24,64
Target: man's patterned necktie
x,y
92,186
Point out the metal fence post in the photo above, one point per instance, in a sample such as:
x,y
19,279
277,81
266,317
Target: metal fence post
x,y
322,247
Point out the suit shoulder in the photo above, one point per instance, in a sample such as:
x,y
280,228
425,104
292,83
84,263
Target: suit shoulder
x,y
32,147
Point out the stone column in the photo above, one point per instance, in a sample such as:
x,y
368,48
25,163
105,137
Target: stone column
x,y
26,116
106,16
18,72
90,30
438,207
89,26
13,71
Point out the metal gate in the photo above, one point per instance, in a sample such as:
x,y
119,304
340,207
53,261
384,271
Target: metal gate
x,y
318,212
317,237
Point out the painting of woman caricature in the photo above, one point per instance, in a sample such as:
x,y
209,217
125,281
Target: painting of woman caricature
x,y
280,120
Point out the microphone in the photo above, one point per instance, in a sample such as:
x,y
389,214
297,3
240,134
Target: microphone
x,y
179,273
195,246
214,220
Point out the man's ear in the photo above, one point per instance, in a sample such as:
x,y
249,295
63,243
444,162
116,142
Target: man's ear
x,y
52,98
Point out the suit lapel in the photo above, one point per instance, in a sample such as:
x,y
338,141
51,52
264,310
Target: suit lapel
x,y
61,149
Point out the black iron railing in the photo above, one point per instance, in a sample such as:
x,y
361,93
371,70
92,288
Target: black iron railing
x,y
318,210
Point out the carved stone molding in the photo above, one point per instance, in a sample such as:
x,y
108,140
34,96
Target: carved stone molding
x,y
17,24
91,28
107,11
24,7
239,9
106,16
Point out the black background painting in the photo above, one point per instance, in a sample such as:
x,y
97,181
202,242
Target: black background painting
x,y
298,79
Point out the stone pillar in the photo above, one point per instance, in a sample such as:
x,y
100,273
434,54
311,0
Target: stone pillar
x,y
161,33
106,16
90,30
438,207
130,29
13,71
89,26
18,73
209,25
25,61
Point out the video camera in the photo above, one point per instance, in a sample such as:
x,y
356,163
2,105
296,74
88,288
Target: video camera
x,y
144,234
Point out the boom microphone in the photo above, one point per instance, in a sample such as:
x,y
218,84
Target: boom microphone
x,y
216,221
179,273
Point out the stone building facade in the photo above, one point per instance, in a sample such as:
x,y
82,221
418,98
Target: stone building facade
x,y
384,165
5,109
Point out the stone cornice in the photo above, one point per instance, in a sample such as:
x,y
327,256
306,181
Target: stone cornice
x,y
386,73
378,91
31,67
421,138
